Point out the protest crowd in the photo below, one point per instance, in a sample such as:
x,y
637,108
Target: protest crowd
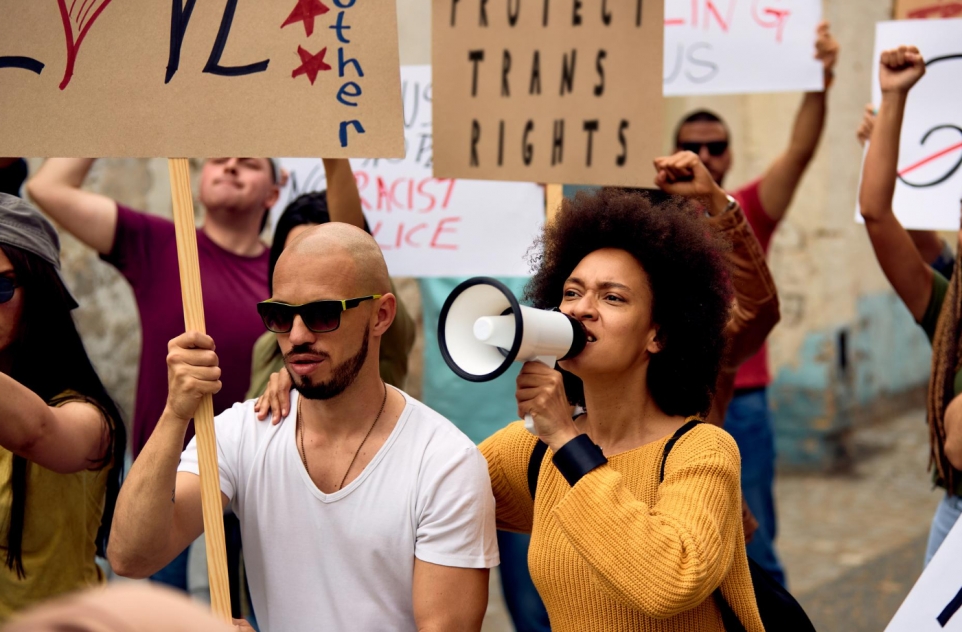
x,y
625,480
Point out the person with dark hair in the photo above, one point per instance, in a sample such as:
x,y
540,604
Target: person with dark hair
x,y
764,201
237,194
62,439
934,301
617,543
311,209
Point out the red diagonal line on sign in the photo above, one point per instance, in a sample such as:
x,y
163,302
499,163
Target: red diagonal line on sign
x,y
72,6
925,161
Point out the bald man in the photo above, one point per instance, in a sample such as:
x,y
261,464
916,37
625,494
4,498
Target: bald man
x,y
363,509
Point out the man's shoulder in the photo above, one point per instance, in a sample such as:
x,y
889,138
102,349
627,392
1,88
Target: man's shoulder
x,y
240,421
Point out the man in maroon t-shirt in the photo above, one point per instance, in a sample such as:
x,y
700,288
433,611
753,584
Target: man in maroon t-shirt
x,y
764,202
237,194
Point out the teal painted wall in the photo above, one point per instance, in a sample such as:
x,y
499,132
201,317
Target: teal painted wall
x,y
841,372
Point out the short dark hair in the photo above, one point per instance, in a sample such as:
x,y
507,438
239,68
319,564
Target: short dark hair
x,y
700,116
687,272
308,208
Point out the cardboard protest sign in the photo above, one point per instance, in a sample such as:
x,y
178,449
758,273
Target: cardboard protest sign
x,y
547,91
732,46
914,9
929,176
430,227
934,602
187,78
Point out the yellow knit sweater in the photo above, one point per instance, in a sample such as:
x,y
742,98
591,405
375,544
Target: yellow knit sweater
x,y
618,551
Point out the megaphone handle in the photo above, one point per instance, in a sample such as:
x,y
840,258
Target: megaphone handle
x,y
529,423
528,419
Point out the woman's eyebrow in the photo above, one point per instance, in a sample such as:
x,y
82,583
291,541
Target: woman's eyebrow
x,y
611,285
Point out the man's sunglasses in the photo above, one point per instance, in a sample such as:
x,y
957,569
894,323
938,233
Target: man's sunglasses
x,y
715,148
7,287
319,316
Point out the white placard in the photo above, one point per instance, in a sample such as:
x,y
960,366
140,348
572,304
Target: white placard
x,y
939,584
741,46
429,227
930,155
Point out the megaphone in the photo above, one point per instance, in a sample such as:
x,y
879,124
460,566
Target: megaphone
x,y
483,329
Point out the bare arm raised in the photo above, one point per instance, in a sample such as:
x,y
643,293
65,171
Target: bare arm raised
x,y
159,510
343,197
90,217
778,184
927,242
901,262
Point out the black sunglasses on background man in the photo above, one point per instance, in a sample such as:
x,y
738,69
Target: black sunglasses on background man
x,y
715,148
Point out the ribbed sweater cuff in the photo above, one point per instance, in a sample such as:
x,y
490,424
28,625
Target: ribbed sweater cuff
x,y
578,457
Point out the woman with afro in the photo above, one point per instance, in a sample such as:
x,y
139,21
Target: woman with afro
x,y
622,538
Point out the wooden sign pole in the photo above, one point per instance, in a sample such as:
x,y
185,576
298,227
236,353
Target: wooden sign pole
x,y
204,418
553,194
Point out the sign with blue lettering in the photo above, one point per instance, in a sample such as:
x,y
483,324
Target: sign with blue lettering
x,y
188,78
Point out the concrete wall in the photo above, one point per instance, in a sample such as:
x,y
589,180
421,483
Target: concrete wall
x,y
833,294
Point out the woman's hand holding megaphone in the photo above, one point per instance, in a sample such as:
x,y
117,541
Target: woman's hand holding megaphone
x,y
541,394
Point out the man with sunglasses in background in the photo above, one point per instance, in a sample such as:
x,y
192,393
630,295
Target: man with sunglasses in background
x,y
764,202
363,509
237,194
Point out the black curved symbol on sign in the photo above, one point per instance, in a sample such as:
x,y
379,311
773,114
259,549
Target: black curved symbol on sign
x,y
942,152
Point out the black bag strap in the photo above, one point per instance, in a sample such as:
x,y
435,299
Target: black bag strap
x,y
671,444
729,618
534,465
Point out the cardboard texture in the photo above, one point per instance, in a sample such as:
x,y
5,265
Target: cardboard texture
x,y
732,47
912,9
566,91
430,227
187,78
930,150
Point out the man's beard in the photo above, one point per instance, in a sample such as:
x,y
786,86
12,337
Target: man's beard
x,y
342,376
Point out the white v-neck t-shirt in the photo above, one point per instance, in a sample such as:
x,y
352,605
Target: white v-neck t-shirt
x,y
345,561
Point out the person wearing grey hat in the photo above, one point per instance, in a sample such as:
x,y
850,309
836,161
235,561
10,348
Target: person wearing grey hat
x,y
62,440
237,194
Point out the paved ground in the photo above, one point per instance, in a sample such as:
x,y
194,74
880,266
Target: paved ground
x,y
852,543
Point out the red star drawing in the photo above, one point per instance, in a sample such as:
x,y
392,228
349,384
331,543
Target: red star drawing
x,y
310,64
306,11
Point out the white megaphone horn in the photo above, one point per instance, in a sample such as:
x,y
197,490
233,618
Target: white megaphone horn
x,y
483,329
